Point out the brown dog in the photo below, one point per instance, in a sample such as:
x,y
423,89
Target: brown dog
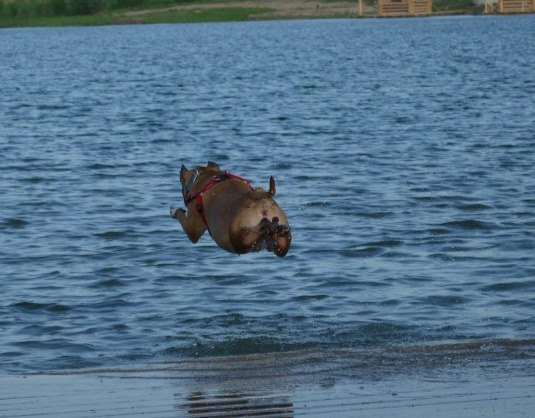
x,y
239,218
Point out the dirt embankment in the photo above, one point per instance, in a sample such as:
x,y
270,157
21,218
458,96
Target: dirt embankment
x,y
281,9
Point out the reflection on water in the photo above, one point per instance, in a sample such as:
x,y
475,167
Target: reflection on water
x,y
204,405
475,376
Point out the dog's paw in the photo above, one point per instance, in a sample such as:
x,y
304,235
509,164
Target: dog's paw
x,y
174,211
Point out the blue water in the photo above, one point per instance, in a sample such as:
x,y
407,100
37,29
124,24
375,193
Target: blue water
x,y
404,154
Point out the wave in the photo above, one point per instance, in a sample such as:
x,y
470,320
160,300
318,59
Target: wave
x,y
372,362
34,307
14,223
469,224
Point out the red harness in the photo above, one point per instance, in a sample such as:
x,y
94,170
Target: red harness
x,y
214,180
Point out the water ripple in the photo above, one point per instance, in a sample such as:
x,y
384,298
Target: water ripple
x,y
406,174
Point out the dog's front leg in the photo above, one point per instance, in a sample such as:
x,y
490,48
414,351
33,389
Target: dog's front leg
x,y
192,223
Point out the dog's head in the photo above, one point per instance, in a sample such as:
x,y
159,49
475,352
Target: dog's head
x,y
188,177
261,224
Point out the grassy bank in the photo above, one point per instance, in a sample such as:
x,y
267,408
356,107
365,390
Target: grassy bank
x,y
195,16
454,6
31,13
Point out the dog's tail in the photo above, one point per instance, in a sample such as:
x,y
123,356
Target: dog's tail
x,y
272,187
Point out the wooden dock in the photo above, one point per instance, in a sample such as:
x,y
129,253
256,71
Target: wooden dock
x,y
403,8
516,6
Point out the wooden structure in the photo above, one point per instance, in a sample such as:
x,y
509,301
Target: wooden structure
x,y
401,8
516,6
491,6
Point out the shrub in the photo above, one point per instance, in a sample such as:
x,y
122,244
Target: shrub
x,y
122,4
57,7
82,7
24,8
128,3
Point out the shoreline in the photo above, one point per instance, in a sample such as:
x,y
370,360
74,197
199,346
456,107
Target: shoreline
x,y
229,11
83,396
433,383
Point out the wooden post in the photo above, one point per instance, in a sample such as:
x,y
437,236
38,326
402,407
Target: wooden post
x,y
411,7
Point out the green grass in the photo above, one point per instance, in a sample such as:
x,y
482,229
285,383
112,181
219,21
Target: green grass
x,y
455,5
162,4
89,20
211,15
198,16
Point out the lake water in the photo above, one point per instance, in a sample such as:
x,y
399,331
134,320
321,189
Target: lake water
x,y
404,154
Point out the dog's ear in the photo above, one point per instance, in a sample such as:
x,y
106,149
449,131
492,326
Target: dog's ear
x,y
272,188
183,171
213,165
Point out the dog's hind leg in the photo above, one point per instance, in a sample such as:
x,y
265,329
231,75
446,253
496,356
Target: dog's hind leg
x,y
192,224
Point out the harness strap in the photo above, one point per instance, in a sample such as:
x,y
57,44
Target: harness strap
x,y
213,181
